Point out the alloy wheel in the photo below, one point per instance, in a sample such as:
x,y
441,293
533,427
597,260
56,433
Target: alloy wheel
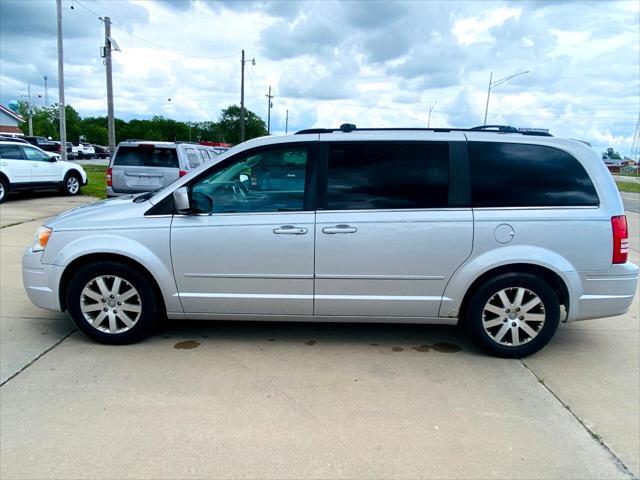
x,y
73,185
513,316
110,304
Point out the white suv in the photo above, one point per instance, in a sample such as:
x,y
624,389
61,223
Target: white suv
x,y
507,232
26,167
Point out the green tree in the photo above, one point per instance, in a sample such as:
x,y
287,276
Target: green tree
x,y
229,125
43,120
611,154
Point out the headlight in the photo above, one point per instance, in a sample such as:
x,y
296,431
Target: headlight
x,y
41,238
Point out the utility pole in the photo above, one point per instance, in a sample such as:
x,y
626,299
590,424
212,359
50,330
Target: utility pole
x,y
286,123
242,62
46,92
269,105
111,127
431,110
63,123
242,100
30,110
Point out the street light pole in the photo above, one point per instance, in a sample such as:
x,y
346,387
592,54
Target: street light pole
x,y
486,109
286,123
46,92
63,123
30,110
431,110
493,84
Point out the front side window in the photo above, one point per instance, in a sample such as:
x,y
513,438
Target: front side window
x,y
146,156
35,155
377,175
266,181
11,152
520,175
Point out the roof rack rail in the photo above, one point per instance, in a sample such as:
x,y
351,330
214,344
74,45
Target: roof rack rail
x,y
349,127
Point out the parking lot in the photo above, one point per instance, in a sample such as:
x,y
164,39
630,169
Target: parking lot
x,y
295,400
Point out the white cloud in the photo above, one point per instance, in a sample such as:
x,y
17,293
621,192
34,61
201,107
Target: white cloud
x,y
373,64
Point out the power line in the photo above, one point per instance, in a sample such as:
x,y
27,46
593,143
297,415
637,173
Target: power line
x,y
157,45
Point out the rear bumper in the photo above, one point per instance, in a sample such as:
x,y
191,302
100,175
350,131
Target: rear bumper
x,y
116,193
41,281
604,294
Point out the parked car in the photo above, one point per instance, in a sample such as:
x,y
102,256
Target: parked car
x,y
100,151
26,167
507,233
13,139
49,146
142,166
83,150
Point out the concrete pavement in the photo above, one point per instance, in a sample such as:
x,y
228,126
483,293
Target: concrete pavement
x,y
282,400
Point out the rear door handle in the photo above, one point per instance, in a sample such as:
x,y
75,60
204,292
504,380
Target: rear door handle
x,y
290,230
339,229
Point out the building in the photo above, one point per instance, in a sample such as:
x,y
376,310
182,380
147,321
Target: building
x,y
9,121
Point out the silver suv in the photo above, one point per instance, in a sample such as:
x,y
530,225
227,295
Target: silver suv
x,y
507,232
143,166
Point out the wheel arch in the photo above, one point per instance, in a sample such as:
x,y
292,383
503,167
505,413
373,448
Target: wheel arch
x,y
551,277
87,259
5,177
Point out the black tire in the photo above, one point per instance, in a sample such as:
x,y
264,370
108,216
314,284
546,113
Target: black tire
x,y
4,189
146,298
71,184
510,282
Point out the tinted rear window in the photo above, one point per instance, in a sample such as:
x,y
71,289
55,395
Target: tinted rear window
x,y
146,157
518,175
381,175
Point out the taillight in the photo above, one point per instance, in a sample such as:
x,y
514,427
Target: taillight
x,y
109,178
620,239
182,173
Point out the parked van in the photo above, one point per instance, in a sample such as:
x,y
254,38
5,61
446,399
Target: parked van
x,y
142,166
507,232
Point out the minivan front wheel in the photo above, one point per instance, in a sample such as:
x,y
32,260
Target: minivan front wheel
x,y
513,315
112,303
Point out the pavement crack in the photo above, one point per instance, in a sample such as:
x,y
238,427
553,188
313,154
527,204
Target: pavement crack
x,y
620,465
40,355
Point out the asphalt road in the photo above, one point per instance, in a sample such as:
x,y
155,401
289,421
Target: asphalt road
x,y
294,400
631,201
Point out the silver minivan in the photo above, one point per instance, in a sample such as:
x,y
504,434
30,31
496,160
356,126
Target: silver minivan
x,y
141,166
506,232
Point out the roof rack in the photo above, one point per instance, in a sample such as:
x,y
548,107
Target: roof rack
x,y
349,127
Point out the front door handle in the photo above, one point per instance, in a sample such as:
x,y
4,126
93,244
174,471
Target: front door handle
x,y
290,230
339,229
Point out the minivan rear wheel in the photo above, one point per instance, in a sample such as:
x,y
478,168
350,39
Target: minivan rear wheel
x,y
513,315
112,303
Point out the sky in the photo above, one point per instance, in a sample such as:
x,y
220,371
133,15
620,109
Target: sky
x,y
371,63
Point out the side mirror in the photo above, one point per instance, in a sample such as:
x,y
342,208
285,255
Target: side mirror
x,y
243,178
181,200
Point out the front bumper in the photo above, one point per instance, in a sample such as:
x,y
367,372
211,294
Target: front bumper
x,y
605,294
41,281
